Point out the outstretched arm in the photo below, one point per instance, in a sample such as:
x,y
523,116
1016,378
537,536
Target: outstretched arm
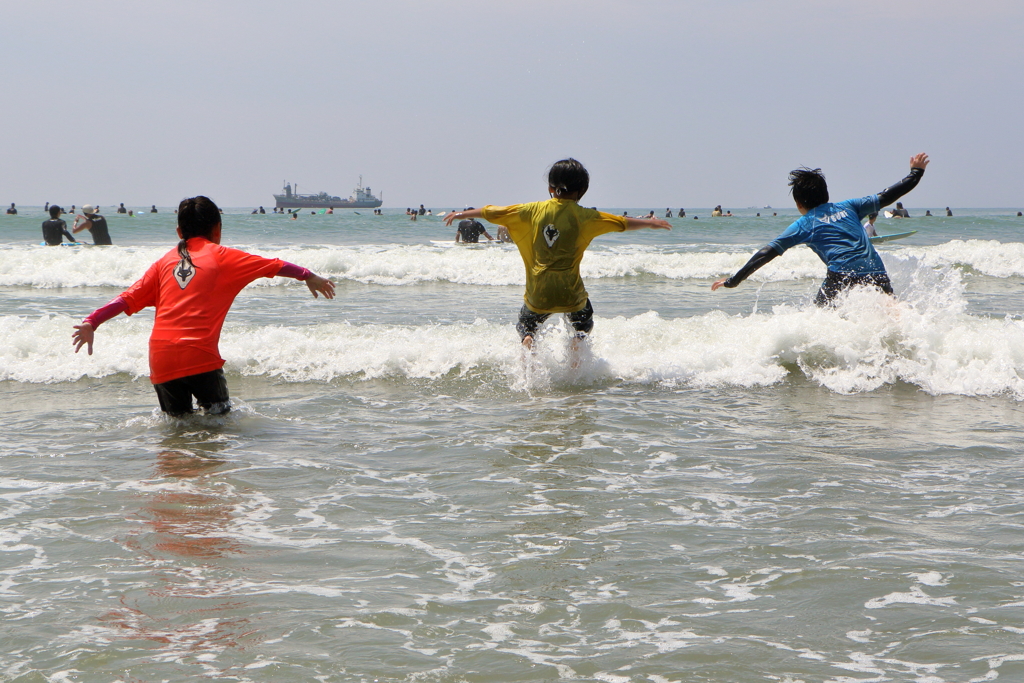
x,y
317,285
640,223
918,162
84,333
762,257
462,215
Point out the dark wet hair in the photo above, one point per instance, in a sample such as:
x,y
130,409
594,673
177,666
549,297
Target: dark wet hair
x,y
568,177
197,217
54,211
808,187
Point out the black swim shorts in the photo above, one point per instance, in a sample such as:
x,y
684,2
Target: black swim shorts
x,y
209,388
836,282
582,321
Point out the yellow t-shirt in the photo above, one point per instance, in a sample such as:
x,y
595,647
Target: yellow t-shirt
x,y
552,237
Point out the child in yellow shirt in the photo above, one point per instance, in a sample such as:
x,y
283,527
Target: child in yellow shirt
x,y
551,237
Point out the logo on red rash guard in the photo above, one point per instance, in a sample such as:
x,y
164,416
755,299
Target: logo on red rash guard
x,y
184,272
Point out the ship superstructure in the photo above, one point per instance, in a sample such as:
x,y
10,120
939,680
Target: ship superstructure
x,y
361,199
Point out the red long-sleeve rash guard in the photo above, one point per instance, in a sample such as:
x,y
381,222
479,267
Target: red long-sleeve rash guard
x,y
192,302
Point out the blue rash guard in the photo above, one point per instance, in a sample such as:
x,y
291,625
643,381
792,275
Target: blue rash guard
x,y
834,232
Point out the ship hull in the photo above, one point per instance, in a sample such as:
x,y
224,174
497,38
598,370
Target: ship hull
x,y
295,202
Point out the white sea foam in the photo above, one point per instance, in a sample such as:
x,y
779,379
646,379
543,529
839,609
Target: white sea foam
x,y
404,264
867,342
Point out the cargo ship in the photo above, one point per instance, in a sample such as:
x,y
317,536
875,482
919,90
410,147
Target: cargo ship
x,y
362,199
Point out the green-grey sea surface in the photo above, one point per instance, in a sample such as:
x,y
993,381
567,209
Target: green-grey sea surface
x,y
732,486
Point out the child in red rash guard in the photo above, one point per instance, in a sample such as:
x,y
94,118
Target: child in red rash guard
x,y
192,288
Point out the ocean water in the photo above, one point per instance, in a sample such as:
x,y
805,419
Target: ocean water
x,y
732,486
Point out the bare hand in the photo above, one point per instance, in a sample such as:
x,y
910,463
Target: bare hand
x,y
919,161
718,283
82,335
659,224
450,217
321,285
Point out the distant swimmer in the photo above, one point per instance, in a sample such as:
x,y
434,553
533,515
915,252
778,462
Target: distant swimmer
x,y
552,236
927,212
262,210
422,211
330,210
192,288
94,223
948,212
681,214
834,233
668,213
869,227
717,211
294,215
46,209
56,229
121,208
900,212
1019,213
470,230
152,209
12,211
131,214
728,214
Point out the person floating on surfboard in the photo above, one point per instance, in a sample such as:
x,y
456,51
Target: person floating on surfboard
x,y
192,288
552,236
834,233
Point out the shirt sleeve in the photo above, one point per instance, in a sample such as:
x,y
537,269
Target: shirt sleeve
x,y
601,223
509,216
144,292
503,215
294,271
247,267
797,233
865,206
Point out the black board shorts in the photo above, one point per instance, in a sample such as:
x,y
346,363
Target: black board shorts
x,y
837,282
582,321
209,388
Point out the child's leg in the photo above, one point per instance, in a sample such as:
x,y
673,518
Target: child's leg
x,y
211,391
582,320
528,323
175,397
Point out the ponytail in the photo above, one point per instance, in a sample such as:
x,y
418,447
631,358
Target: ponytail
x,y
197,217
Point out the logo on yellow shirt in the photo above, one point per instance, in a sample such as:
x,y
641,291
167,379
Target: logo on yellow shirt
x,y
550,234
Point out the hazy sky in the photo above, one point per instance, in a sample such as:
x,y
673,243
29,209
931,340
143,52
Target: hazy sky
x,y
454,102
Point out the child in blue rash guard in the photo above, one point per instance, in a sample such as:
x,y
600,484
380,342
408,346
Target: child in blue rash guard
x,y
834,232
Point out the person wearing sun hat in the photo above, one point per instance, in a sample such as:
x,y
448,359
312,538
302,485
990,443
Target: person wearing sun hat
x,y
94,223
